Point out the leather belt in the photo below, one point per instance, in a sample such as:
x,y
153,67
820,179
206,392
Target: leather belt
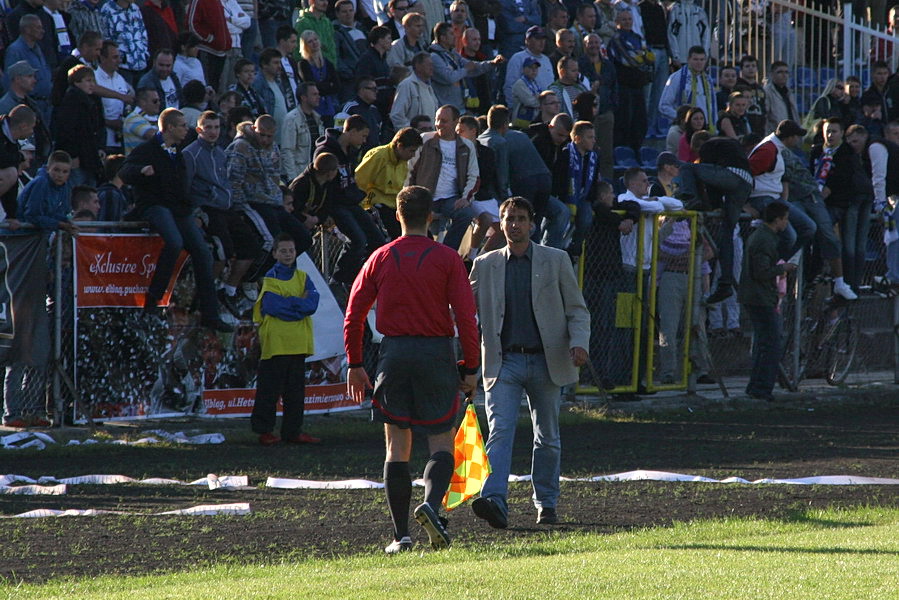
x,y
522,350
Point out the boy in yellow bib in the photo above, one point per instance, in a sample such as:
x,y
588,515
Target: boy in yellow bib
x,y
284,313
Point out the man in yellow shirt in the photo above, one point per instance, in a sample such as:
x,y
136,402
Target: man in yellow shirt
x,y
382,173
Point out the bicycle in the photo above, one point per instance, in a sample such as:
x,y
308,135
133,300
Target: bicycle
x,y
828,335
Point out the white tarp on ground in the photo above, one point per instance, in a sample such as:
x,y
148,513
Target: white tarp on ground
x,y
639,475
58,487
238,508
34,486
36,439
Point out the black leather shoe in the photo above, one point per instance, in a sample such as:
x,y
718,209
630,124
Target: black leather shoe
x,y
547,516
490,511
722,292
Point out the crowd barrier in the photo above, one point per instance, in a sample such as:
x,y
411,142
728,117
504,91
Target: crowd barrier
x,y
89,353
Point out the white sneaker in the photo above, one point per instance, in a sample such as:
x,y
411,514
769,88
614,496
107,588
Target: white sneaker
x,y
401,545
843,289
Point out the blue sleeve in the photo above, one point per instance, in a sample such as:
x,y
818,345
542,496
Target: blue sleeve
x,y
278,306
31,207
291,308
308,305
13,55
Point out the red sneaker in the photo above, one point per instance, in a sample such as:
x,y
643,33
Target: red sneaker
x,y
17,423
269,439
303,438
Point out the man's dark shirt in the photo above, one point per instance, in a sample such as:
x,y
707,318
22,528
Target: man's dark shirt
x,y
655,24
519,325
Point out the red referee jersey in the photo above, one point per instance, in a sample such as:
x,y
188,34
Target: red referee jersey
x,y
416,282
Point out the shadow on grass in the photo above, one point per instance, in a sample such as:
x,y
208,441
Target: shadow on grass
x,y
778,549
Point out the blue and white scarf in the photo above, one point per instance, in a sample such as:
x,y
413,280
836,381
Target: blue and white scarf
x,y
578,186
525,112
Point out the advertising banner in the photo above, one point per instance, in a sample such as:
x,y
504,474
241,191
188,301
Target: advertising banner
x,y
130,366
24,332
116,270
329,397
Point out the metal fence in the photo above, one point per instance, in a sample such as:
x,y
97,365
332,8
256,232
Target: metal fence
x,y
648,331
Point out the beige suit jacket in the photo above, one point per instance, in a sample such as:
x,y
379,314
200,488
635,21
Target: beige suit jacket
x,y
559,309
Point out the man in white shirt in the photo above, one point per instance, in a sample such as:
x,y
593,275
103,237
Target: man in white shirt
x,y
448,164
108,76
637,184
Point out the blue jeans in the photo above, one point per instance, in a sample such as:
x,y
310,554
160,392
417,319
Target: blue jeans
x,y
825,237
855,222
799,232
653,90
583,222
249,39
719,181
528,373
459,220
182,233
767,348
364,237
555,221
537,189
892,252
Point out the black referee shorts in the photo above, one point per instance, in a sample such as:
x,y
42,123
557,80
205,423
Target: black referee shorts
x,y
417,384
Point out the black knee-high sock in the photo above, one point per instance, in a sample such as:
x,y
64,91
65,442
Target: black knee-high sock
x,y
398,487
438,473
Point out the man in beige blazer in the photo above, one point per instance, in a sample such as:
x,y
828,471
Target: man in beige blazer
x,y
535,329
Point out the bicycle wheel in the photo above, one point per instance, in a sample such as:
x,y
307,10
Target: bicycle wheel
x,y
789,379
841,344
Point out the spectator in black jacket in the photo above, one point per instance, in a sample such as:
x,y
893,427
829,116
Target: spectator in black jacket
x,y
364,104
17,125
79,125
848,194
575,178
345,196
607,278
373,64
157,173
550,138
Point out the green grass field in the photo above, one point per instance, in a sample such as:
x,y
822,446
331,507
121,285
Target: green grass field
x,y
819,554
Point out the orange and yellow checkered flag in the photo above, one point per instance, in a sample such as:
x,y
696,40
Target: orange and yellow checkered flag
x,y
472,466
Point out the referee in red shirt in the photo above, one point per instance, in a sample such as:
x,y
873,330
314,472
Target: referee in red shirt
x,y
416,281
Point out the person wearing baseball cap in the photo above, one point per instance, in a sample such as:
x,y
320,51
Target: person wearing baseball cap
x,y
21,84
766,162
534,47
22,81
525,100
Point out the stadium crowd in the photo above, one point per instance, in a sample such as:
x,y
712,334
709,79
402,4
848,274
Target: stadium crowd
x,y
225,123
